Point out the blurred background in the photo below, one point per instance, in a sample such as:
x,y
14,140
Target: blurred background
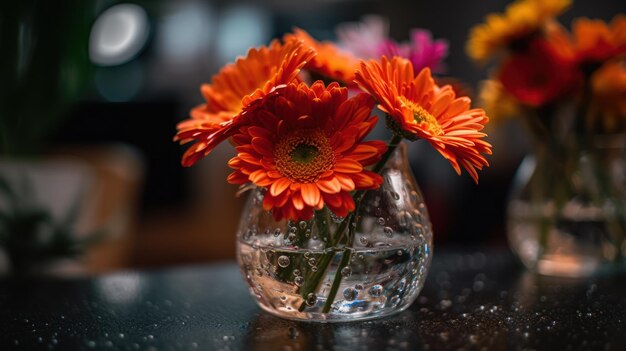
x,y
91,92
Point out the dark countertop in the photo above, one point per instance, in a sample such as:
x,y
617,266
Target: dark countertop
x,y
471,300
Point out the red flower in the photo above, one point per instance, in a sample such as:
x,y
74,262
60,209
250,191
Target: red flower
x,y
305,146
539,75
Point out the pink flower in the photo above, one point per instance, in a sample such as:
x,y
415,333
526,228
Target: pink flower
x,y
422,51
364,39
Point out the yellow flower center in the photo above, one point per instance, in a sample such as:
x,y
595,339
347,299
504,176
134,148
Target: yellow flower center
x,y
303,155
423,117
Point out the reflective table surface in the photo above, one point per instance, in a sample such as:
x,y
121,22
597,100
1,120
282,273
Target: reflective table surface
x,y
472,300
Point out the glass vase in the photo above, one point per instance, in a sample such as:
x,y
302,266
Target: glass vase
x,y
296,272
567,209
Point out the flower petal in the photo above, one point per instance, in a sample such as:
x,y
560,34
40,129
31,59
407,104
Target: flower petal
x,y
310,194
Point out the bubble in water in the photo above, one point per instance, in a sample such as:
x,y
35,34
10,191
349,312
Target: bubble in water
x,y
358,287
311,299
307,254
395,301
335,218
121,335
291,237
376,290
314,269
400,253
381,221
299,280
350,294
312,261
388,231
346,271
283,261
296,272
302,224
277,232
395,195
363,240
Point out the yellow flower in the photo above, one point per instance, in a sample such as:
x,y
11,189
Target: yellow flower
x,y
497,103
521,19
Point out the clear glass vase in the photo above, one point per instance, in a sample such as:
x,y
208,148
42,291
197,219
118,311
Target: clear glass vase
x,y
295,272
567,209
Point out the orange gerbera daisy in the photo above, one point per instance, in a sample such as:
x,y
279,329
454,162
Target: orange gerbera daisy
x,y
595,41
608,86
330,61
305,146
418,108
234,88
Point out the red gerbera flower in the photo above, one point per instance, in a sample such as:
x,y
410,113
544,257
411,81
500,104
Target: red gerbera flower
x,y
305,146
418,108
539,75
234,88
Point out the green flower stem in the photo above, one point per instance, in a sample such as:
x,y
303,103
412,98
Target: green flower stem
x,y
345,259
312,283
322,221
615,224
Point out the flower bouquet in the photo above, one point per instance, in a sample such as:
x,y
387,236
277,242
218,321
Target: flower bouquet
x,y
335,227
567,212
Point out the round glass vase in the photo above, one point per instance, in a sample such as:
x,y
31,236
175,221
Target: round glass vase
x,y
567,209
371,264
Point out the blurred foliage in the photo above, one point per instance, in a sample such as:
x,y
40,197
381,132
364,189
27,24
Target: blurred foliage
x,y
44,65
31,236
